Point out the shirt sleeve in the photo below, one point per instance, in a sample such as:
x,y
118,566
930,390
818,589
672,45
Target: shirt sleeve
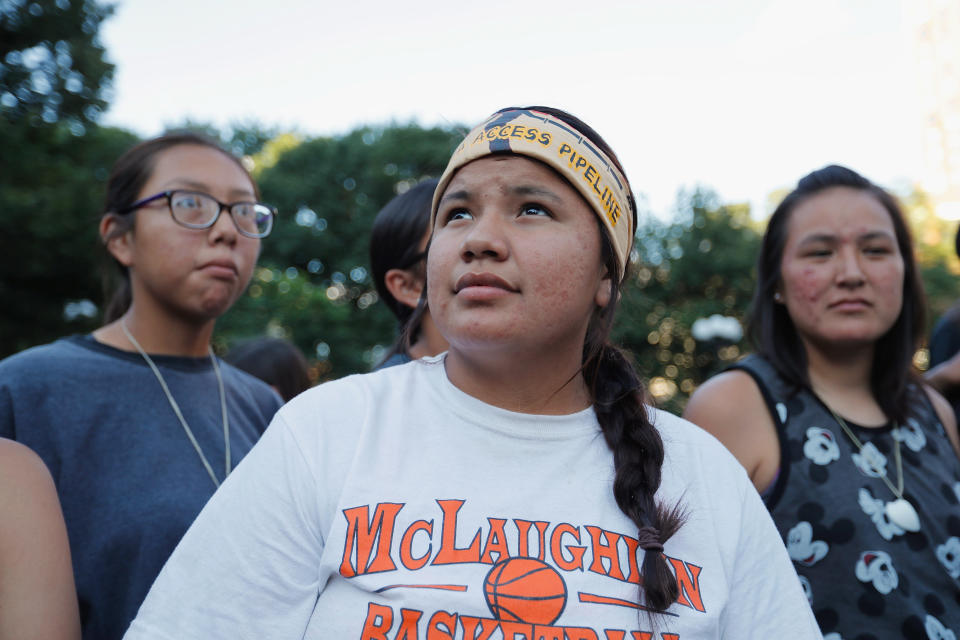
x,y
766,598
248,567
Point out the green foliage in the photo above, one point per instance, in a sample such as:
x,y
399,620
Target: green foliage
x,y
319,292
52,65
51,193
700,264
934,239
55,160
240,138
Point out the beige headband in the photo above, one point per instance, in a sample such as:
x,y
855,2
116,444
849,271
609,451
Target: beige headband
x,y
560,146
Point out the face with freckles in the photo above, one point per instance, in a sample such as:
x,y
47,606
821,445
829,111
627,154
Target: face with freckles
x,y
515,260
842,272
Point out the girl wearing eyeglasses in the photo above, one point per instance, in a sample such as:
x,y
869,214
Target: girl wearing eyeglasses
x,y
139,422
515,486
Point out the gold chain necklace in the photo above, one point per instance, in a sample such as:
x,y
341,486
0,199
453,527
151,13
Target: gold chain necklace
x,y
176,407
899,511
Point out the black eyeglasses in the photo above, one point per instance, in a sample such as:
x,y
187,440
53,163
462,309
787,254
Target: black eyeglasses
x,y
197,210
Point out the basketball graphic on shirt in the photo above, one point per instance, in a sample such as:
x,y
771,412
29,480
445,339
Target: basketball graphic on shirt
x,y
525,590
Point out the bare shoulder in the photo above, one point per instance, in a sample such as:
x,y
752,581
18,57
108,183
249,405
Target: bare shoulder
x,y
726,400
731,407
26,490
19,465
37,595
947,417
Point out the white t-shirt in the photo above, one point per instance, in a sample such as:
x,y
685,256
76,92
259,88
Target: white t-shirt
x,y
393,505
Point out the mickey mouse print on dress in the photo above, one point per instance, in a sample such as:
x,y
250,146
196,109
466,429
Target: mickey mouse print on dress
x,y
832,517
803,548
876,568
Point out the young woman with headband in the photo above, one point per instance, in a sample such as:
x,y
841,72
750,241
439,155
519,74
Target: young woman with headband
x,y
515,486
855,457
139,422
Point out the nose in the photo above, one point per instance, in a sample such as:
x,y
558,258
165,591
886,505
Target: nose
x,y
224,230
486,239
849,271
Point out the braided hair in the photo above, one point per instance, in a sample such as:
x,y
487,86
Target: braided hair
x,y
618,401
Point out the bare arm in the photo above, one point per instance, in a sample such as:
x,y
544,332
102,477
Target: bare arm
x,y
37,596
731,407
946,415
945,377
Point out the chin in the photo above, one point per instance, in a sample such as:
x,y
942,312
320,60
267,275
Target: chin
x,y
213,309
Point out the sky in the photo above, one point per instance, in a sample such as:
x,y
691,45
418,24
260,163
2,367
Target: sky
x,y
743,96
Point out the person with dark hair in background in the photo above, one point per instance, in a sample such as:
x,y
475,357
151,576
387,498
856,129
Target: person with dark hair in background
x,y
856,459
275,361
515,485
398,256
139,422
944,372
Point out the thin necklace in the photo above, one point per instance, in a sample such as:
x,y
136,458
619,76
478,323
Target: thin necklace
x,y
176,407
899,511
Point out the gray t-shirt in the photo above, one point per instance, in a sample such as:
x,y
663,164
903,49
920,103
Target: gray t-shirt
x,y
129,480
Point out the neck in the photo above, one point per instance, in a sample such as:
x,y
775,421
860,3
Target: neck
x,y
429,342
159,335
841,378
515,382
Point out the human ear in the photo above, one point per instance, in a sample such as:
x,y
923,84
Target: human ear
x,y
119,243
604,292
405,286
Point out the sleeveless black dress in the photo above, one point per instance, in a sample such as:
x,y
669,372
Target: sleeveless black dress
x,y
866,577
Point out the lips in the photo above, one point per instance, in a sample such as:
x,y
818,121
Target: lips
x,y
489,280
849,303
221,268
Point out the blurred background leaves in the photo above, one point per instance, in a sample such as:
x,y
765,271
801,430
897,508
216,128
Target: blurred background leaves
x,y
313,284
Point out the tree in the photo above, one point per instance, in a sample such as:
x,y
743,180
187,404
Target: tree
x,y
52,65
53,85
700,264
936,254
314,285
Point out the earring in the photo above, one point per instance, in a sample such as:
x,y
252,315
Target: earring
x,y
777,297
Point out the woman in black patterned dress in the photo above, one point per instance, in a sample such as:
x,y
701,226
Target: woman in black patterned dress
x,y
856,459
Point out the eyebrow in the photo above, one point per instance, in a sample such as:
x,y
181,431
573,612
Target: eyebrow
x,y
186,183
525,190
520,190
462,194
829,237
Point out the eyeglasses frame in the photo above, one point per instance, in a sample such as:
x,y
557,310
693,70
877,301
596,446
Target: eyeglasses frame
x,y
168,194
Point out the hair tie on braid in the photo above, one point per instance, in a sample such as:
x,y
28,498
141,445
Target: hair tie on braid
x,y
649,539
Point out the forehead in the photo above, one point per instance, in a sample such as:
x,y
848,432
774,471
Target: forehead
x,y
502,171
188,164
839,211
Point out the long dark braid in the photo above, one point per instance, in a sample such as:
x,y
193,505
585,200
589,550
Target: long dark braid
x,y
618,401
